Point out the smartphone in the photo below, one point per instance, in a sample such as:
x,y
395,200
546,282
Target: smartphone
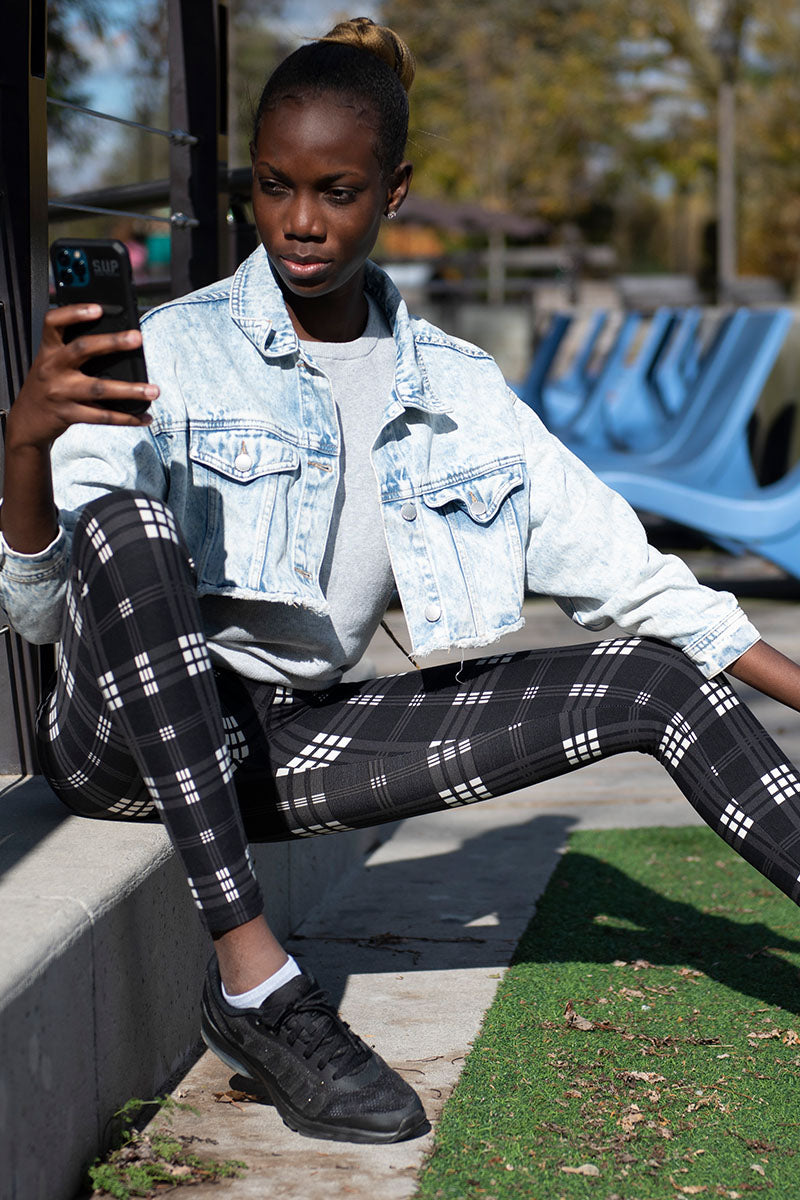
x,y
98,271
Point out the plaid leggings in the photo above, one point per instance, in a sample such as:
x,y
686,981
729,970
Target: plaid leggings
x,y
139,721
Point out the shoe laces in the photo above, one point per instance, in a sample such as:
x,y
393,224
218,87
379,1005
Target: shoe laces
x,y
314,1022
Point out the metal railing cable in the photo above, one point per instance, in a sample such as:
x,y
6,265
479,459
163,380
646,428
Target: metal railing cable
x,y
177,219
178,137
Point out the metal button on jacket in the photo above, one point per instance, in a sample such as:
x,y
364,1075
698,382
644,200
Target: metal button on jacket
x,y
409,511
243,461
432,612
477,508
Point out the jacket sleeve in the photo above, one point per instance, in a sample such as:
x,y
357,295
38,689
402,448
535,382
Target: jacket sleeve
x,y
587,549
88,461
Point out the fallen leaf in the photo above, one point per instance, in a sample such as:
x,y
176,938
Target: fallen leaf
x,y
691,1189
585,1169
791,1038
757,1167
176,1170
631,1117
575,1021
235,1097
644,1076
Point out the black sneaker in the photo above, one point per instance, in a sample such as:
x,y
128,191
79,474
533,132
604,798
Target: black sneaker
x,y
324,1081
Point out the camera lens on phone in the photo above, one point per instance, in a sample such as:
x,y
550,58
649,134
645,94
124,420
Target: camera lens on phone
x,y
64,257
68,275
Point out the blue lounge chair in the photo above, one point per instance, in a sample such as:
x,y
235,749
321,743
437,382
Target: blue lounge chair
x,y
704,477
761,520
623,410
530,390
676,369
713,421
562,398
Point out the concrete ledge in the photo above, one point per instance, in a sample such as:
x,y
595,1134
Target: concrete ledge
x,y
101,966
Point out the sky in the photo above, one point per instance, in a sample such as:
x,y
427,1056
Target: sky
x,y
109,89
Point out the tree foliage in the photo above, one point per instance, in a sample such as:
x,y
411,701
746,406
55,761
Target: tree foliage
x,y
68,21
600,112
567,108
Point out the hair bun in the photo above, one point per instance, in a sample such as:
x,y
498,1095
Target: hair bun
x,y
378,40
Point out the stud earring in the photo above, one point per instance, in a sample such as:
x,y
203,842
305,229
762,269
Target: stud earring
x,y
391,214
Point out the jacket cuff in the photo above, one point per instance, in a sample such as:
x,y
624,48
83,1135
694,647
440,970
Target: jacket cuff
x,y
721,645
23,567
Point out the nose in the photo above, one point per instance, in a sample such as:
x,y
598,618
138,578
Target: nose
x,y
303,219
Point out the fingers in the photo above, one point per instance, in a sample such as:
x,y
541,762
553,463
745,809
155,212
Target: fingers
x,y
94,414
90,345
71,314
56,319
84,346
108,394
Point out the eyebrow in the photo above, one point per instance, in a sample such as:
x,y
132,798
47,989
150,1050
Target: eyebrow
x,y
325,180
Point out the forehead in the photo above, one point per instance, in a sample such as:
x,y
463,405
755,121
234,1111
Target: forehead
x,y
332,131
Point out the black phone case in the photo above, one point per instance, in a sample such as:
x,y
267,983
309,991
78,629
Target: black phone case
x,y
98,271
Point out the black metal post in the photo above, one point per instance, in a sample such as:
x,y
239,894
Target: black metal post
x,y
198,98
23,301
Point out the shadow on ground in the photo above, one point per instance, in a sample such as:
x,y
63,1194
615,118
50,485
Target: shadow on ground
x,y
744,956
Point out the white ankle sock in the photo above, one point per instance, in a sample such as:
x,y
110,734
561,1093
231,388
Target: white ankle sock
x,y
257,995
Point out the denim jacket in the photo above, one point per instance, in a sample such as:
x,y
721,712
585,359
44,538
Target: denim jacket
x,y
480,503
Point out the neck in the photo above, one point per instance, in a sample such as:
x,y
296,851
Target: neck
x,y
329,319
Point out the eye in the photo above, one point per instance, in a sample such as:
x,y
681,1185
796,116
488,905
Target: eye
x,y
271,187
342,195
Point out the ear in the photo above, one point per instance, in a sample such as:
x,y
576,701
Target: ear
x,y
397,187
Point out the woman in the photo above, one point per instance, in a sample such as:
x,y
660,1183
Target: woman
x,y
213,567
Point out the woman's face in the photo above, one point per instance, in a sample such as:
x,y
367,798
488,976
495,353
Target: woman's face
x,y
319,195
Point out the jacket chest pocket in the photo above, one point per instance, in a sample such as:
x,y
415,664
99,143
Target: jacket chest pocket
x,y
242,482
476,536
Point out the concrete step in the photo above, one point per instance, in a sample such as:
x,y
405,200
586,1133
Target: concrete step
x,y
101,965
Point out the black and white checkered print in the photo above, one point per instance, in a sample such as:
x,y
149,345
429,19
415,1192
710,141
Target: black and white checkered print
x,y
157,730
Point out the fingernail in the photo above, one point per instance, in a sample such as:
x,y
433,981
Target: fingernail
x,y
151,391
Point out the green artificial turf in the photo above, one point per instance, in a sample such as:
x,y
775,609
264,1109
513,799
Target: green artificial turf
x,y
645,1042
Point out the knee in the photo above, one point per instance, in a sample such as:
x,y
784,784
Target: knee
x,y
111,505
120,518
672,677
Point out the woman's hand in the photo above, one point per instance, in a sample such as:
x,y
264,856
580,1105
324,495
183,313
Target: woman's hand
x,y
57,393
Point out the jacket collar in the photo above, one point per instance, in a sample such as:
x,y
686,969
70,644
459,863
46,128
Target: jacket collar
x,y
257,308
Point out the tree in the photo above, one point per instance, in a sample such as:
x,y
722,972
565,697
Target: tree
x,y
68,21
568,107
514,105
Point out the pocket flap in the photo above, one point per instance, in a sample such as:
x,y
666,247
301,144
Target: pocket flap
x,y
481,495
241,454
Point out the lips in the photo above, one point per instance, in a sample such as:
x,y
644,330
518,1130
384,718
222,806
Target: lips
x,y
303,267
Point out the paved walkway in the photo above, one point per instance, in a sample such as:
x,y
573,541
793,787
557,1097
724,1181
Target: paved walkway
x,y
420,936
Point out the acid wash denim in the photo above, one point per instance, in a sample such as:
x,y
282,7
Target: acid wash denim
x,y
479,501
